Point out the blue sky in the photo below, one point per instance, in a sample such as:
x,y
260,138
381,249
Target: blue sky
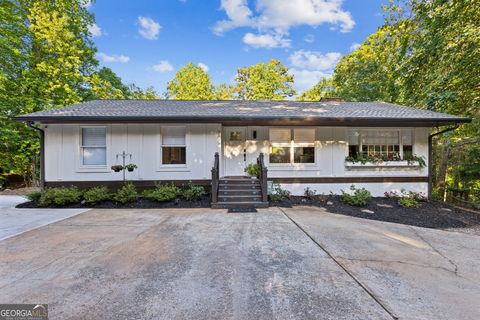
x,y
147,41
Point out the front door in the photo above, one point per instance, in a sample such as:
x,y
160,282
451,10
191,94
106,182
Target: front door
x,y
234,150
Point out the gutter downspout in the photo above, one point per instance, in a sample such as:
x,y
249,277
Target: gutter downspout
x,y
42,152
430,138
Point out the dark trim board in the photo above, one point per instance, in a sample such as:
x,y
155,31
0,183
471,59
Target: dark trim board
x,y
141,184
349,179
206,182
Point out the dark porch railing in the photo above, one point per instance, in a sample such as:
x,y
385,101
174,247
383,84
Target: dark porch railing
x,y
263,177
215,178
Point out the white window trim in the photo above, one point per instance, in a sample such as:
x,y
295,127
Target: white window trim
x,y
78,158
292,144
400,137
173,167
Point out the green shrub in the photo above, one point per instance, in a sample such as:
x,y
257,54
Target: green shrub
x,y
253,170
96,195
59,196
193,193
359,198
278,194
309,193
34,196
409,202
126,194
162,193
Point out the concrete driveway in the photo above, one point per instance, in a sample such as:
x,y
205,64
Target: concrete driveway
x,y
274,264
16,221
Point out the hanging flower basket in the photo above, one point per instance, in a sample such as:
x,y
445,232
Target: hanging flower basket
x,y
130,167
117,168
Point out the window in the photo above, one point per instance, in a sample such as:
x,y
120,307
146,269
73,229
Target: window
x,y
385,144
300,149
173,146
93,146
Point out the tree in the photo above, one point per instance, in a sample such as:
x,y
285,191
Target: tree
x,y
270,81
426,55
47,60
190,83
224,92
323,89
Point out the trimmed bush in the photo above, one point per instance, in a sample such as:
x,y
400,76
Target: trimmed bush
x,y
409,202
359,198
162,193
34,196
96,195
194,193
126,194
59,196
278,194
309,193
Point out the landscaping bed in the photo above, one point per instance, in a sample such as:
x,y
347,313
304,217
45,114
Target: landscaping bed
x,y
140,203
430,214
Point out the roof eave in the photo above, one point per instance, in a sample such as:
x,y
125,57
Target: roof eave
x,y
376,122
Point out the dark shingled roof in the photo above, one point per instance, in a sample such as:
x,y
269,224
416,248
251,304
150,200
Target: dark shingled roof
x,y
244,112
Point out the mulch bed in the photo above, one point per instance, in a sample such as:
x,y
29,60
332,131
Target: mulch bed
x,y
141,203
429,215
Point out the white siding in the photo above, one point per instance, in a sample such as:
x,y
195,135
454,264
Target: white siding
x,y
62,151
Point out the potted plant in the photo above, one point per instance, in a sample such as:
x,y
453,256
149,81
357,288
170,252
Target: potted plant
x,y
130,167
253,170
117,167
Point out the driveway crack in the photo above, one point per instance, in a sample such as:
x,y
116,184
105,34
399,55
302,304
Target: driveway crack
x,y
340,264
436,250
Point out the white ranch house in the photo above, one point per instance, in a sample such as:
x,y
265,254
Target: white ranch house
x,y
305,144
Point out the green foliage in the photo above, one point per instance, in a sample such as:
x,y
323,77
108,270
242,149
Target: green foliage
x,y
191,82
253,169
162,193
34,196
264,81
309,193
131,167
126,194
96,195
379,158
357,197
323,89
59,196
224,92
408,202
194,193
278,194
426,56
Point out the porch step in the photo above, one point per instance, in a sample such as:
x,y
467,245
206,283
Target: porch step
x,y
239,198
236,205
239,192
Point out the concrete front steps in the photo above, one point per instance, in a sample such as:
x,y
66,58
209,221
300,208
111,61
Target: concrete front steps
x,y
238,193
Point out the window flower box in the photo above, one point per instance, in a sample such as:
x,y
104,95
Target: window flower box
x,y
383,164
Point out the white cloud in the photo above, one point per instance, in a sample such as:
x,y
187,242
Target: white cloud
x,y
163,66
306,79
149,28
309,38
312,60
268,41
278,16
203,66
310,66
95,30
113,58
355,46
